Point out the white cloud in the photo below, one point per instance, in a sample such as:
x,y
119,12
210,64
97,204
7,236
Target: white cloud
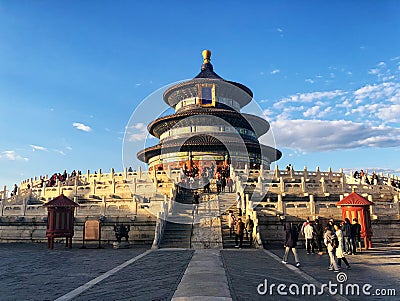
x,y
12,156
309,97
389,113
381,91
139,126
82,127
324,135
275,71
137,132
59,152
311,112
279,30
267,113
37,147
309,80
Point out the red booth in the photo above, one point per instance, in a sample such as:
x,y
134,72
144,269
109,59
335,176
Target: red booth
x,y
356,206
60,220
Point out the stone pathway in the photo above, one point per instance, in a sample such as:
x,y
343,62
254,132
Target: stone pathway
x,y
204,279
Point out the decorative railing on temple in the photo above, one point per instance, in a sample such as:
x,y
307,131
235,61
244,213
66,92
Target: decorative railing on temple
x,y
274,192
307,193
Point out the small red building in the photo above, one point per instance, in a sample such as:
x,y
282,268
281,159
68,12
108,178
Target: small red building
x,y
356,206
60,220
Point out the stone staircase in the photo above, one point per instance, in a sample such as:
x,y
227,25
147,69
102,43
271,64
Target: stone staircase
x,y
178,229
227,201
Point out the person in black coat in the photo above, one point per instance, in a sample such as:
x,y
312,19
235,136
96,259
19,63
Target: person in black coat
x,y
346,231
319,235
355,235
290,242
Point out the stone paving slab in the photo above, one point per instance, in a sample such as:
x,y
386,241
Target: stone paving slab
x,y
379,267
153,277
248,269
33,272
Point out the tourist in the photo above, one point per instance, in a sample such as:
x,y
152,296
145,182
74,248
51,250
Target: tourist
x,y
304,224
191,182
239,232
204,181
212,170
339,249
208,187
356,235
223,184
15,190
229,183
331,243
330,225
290,242
249,229
231,222
239,203
375,179
219,185
346,231
196,202
309,236
362,176
319,236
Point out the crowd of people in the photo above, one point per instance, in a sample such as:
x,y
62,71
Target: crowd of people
x,y
201,177
365,178
240,228
339,239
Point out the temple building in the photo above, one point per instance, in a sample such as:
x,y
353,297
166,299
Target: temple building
x,y
207,128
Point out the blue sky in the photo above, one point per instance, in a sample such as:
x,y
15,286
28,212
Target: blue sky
x,y
72,73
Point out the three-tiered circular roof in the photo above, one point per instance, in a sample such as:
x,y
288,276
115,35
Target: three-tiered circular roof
x,y
248,127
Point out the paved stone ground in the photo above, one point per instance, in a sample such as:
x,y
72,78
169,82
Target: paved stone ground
x,y
248,269
379,267
153,277
32,272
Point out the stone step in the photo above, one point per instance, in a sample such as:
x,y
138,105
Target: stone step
x,y
177,235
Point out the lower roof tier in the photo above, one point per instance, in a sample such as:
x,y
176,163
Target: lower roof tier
x,y
208,143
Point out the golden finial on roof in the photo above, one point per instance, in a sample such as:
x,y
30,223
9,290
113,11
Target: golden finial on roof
x,y
206,56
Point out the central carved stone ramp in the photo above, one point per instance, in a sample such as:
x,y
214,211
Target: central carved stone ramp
x,y
207,224
178,229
